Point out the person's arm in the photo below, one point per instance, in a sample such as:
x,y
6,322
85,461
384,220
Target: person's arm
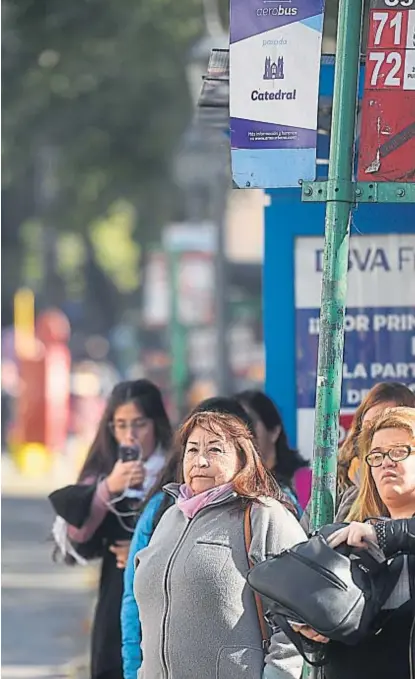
x,y
123,475
274,529
130,620
396,536
346,503
393,536
98,512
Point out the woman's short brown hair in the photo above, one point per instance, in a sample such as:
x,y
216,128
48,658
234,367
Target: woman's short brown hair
x,y
368,503
253,480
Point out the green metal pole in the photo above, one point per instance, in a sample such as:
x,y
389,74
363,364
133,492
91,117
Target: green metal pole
x,y
178,336
335,264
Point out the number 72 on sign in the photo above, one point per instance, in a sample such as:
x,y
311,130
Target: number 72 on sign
x,y
391,45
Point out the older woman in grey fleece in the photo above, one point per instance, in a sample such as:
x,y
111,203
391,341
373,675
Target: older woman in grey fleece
x,y
199,618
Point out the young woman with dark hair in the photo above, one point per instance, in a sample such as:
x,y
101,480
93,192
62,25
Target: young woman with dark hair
x,y
273,444
101,509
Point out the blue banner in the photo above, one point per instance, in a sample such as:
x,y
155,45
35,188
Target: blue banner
x,y
379,347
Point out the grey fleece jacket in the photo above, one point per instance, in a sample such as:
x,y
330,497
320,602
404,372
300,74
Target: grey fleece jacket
x,y
198,615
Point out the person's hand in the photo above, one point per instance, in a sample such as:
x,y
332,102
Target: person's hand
x,y
310,633
355,535
121,550
124,475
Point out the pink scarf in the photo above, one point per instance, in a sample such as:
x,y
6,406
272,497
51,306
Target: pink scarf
x,y
190,503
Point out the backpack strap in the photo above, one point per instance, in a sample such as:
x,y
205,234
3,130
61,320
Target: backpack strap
x,y
313,652
258,602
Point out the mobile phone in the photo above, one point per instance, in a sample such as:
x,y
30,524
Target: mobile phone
x,y
129,453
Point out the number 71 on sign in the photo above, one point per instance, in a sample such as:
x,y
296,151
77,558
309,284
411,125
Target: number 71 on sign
x,y
391,49
387,145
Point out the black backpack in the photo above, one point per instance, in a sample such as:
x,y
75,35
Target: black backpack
x,y
338,592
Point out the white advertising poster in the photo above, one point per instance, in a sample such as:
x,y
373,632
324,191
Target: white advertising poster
x,y
379,327
275,50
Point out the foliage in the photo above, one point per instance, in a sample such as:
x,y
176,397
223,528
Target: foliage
x,y
95,100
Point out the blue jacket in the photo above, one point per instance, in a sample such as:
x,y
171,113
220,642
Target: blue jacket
x,y
293,499
130,620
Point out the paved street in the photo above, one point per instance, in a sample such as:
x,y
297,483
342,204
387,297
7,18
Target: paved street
x,y
46,607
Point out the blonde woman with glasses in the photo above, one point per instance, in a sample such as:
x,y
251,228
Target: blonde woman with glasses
x,y
383,513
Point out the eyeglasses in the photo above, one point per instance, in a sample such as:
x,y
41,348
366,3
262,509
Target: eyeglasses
x,y
398,454
123,427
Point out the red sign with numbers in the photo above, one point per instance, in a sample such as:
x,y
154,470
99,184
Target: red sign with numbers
x,y
387,142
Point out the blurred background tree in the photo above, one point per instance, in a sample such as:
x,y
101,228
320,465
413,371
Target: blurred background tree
x,y
95,101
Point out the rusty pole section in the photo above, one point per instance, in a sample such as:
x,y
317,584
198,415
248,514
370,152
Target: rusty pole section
x,y
340,199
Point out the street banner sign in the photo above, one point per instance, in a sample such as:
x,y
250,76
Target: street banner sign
x,y
275,51
387,141
379,322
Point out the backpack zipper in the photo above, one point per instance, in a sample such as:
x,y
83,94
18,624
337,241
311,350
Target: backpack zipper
x,y
334,579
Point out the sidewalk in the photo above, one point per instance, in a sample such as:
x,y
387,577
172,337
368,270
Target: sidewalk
x,y
78,669
46,606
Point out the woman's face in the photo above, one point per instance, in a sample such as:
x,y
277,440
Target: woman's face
x,y
209,460
131,427
395,481
368,417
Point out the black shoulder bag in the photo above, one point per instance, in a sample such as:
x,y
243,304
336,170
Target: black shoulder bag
x,y
337,592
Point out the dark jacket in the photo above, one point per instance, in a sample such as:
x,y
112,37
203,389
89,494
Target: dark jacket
x,y
400,537
385,654
73,504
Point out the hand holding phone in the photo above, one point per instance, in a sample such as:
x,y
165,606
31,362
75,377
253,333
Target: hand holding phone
x,y
133,454
125,475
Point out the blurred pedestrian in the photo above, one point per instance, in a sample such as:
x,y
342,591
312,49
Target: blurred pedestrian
x,y
279,458
199,618
153,509
382,395
101,509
